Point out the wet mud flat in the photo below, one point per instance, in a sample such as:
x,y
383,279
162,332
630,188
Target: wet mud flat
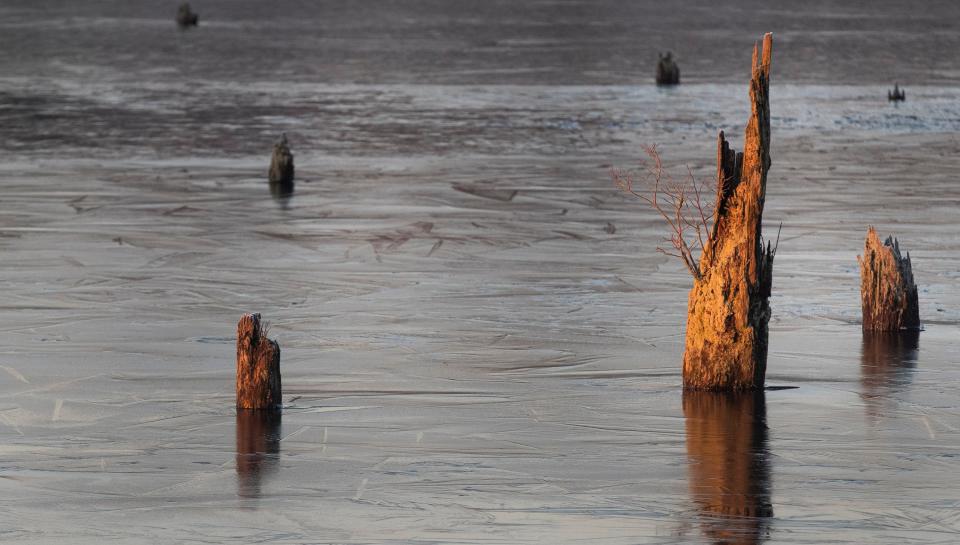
x,y
479,343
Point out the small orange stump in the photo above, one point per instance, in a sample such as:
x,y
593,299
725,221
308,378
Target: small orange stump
x,y
258,366
887,291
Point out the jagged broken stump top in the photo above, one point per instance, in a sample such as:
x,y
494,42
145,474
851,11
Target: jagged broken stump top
x,y
887,291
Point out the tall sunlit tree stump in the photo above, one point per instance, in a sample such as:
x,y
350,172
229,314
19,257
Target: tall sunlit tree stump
x,y
258,366
887,291
728,308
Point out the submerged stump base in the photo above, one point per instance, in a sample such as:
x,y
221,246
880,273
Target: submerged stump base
x,y
887,291
728,309
258,366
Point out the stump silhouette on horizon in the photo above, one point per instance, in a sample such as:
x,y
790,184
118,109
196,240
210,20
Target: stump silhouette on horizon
x,y
668,73
888,293
186,17
258,366
281,163
897,95
728,309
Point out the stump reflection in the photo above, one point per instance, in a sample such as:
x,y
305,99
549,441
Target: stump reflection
x,y
729,464
282,192
258,449
887,360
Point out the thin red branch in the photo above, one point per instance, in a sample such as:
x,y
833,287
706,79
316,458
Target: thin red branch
x,y
681,204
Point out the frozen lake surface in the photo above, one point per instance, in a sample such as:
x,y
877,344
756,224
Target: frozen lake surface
x,y
479,342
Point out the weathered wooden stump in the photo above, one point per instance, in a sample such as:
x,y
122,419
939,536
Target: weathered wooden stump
x,y
729,463
186,17
281,163
258,366
728,309
887,291
897,95
668,73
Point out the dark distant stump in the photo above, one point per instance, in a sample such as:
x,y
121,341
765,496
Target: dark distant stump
x,y
258,366
186,17
281,163
887,291
668,73
897,95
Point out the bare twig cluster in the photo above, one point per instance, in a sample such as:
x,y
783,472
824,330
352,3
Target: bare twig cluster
x,y
682,203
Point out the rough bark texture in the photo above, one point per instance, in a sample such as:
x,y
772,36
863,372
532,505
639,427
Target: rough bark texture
x,y
186,17
281,163
668,73
729,466
258,444
887,291
258,366
728,309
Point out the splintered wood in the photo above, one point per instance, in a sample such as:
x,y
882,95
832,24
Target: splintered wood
x,y
728,309
258,366
887,291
